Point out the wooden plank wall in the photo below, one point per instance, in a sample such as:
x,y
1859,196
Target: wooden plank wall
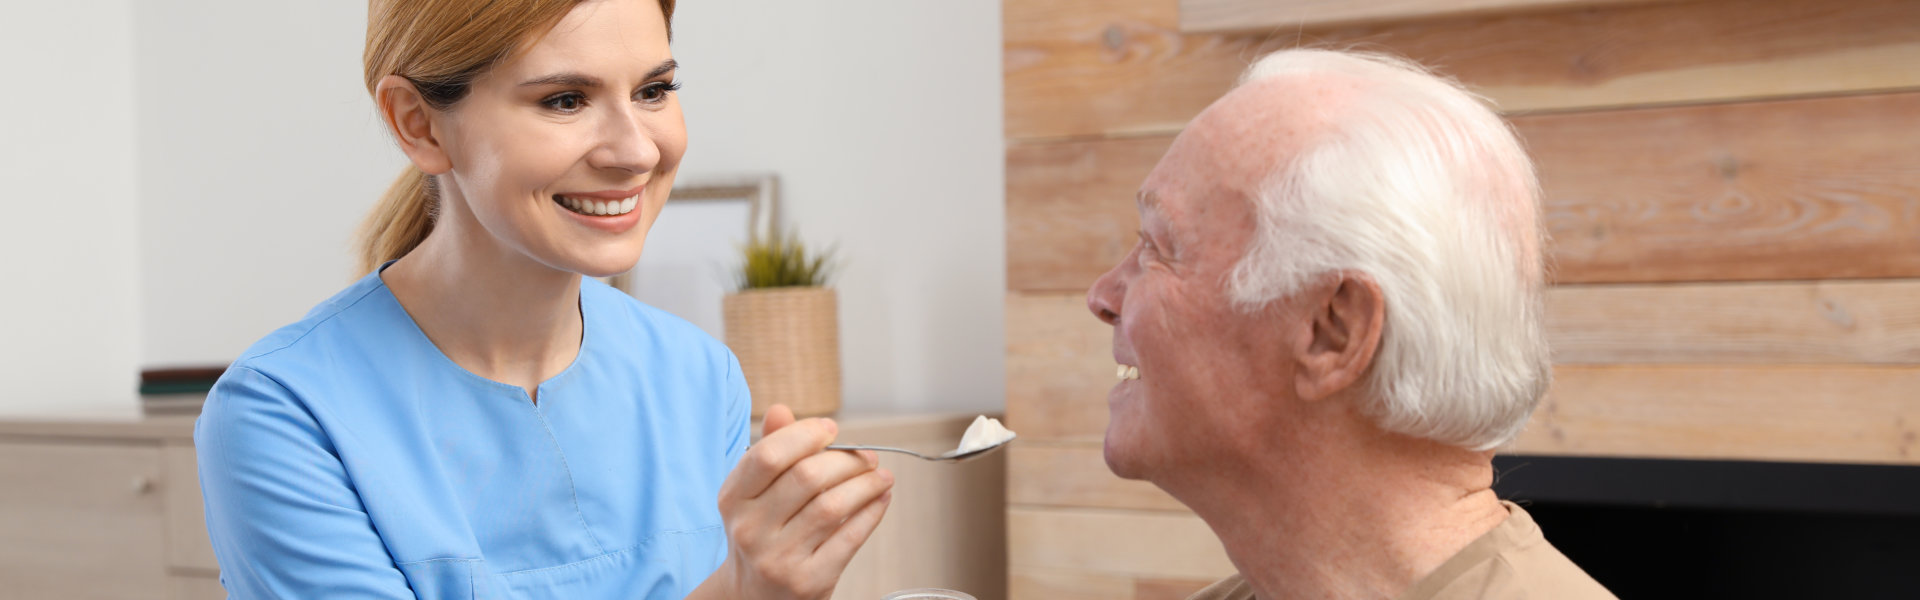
x,y
1732,187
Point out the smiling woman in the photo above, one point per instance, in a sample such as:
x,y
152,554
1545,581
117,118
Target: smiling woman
x,y
477,416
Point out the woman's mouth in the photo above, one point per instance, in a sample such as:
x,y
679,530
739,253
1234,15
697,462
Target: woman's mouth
x,y
597,208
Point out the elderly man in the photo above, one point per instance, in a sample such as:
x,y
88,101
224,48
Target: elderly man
x,y
1331,319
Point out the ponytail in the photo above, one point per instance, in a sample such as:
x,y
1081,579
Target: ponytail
x,y
400,222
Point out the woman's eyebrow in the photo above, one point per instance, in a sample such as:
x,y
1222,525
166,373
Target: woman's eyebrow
x,y
581,80
565,80
663,68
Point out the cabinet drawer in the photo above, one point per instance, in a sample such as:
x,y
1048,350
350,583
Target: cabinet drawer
x,y
195,587
187,543
81,521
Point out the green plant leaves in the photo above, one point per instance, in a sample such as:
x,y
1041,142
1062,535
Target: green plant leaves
x,y
781,260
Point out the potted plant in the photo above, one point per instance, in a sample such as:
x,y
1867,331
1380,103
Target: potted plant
x,y
784,325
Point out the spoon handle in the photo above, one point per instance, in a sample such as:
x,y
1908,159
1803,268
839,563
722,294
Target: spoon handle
x,y
879,448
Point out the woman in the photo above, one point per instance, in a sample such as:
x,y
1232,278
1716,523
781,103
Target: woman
x,y
473,418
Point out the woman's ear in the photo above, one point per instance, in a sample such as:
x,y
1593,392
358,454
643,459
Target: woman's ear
x,y
1346,318
412,122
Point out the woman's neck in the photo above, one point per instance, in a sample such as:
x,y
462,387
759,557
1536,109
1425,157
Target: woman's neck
x,y
490,309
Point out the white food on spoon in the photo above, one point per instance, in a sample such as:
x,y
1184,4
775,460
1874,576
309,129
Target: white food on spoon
x,y
985,432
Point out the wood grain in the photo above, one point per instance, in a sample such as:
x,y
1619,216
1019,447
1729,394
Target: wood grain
x,y
1075,474
1747,412
1802,189
1070,208
1707,193
1059,368
1030,583
1786,413
1150,545
1269,15
1168,589
1824,322
81,522
1789,413
195,587
188,545
963,509
1122,67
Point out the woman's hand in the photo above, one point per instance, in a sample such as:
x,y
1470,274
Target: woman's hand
x,y
795,512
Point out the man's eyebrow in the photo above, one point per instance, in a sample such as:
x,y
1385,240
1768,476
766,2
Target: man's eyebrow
x,y
572,79
1148,203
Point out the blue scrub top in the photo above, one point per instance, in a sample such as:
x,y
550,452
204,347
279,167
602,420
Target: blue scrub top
x,y
345,456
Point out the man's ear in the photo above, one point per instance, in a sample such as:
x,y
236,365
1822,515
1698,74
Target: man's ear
x,y
1346,314
411,120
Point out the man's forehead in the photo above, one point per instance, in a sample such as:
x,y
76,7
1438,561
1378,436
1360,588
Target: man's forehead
x,y
1236,144
1244,135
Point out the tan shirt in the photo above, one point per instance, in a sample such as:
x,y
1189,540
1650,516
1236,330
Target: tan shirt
x,y
1511,562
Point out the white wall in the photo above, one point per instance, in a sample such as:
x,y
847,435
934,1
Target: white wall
x,y
259,153
883,120
243,130
70,332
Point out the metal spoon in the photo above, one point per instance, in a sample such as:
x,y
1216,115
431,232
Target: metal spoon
x,y
951,456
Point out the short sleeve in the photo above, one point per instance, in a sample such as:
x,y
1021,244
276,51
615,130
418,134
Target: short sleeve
x,y
739,412
282,513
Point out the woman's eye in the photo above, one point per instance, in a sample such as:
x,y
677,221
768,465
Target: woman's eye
x,y
568,102
654,93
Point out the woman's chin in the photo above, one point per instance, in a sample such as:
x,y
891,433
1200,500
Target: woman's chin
x,y
606,269
608,260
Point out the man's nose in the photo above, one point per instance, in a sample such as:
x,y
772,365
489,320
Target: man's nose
x,y
1103,299
626,143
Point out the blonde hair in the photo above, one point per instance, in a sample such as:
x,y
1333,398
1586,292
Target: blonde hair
x,y
441,46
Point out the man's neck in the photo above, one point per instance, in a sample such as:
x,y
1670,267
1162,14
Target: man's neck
x,y
1346,511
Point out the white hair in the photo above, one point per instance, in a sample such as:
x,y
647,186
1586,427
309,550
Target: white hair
x,y
1417,184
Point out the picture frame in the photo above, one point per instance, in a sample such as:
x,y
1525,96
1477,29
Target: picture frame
x,y
694,246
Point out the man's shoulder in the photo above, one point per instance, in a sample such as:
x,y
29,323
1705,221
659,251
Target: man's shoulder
x,y
1522,576
1514,561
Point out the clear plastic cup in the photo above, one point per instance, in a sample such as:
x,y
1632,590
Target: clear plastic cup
x,y
929,594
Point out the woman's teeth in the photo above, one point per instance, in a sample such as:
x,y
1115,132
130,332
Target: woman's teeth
x,y
599,207
1127,372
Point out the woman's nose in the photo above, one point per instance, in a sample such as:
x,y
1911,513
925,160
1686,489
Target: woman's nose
x,y
626,143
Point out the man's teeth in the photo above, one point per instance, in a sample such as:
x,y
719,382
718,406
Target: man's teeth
x,y
600,207
1127,372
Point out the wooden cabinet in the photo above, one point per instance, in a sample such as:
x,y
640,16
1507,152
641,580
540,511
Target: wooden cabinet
x,y
112,511
81,521
187,545
103,510
946,526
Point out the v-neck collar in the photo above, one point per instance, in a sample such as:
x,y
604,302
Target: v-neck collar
x,y
588,316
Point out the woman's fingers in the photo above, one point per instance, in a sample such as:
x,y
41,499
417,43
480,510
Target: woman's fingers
x,y
829,511
832,556
771,457
792,490
796,512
